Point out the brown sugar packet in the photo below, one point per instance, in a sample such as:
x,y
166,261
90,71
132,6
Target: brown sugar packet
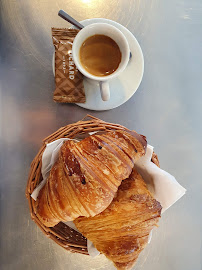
x,y
68,80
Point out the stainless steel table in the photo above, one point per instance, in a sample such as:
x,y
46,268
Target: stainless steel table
x,y
167,108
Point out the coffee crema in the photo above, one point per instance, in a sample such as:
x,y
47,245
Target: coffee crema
x,y
100,55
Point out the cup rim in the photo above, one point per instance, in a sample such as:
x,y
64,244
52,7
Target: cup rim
x,y
86,73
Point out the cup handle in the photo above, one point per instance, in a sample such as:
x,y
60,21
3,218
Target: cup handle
x,y
104,90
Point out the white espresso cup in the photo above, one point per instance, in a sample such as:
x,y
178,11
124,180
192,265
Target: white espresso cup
x,y
115,34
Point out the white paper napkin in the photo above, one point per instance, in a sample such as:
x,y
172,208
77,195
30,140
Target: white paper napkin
x,y
49,157
163,185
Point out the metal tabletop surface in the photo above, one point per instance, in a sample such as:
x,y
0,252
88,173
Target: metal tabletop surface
x,y
167,108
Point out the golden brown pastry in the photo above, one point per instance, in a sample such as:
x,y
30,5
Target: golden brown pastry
x,y
121,231
85,179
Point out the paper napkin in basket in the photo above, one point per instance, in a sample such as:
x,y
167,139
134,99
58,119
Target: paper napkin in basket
x,y
163,185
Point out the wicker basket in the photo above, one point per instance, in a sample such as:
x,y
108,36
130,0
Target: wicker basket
x,y
63,235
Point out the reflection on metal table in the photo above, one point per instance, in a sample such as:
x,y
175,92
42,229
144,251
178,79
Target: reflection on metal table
x,y
167,108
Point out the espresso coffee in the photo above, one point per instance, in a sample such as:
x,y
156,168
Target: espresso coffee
x,y
100,55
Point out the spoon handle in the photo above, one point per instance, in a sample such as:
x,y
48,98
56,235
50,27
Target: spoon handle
x,y
68,18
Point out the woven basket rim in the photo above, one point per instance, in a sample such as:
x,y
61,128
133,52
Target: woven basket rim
x,y
62,234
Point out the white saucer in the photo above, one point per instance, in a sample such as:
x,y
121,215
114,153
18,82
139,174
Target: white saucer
x,y
125,85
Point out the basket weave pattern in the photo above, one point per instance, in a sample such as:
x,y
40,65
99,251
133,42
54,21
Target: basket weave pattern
x,y
62,234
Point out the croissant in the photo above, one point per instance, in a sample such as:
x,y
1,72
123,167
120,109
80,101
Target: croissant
x,y
85,179
121,231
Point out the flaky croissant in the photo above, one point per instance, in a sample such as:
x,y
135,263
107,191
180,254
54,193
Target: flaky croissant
x,y
85,179
121,231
